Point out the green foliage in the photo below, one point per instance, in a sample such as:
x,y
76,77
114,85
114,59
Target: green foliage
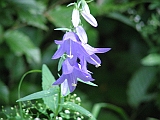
x,y
4,92
97,107
151,60
75,107
130,28
38,95
60,16
20,44
47,81
139,84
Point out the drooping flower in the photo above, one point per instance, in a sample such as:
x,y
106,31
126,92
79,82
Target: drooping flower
x,y
70,74
74,49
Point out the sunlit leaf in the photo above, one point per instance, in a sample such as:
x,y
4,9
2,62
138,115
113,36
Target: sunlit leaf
x,y
89,83
139,84
20,44
40,94
77,108
151,60
47,81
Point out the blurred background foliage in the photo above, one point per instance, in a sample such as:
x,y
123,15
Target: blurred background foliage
x,y
130,72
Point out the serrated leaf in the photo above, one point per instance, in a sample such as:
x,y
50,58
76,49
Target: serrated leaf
x,y
60,16
38,95
77,108
151,60
89,83
20,44
47,78
138,85
47,81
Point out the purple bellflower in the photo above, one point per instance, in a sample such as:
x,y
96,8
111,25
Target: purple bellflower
x,y
75,49
70,74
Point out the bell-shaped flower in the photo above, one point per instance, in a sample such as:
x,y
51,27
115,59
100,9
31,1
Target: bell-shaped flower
x,y
74,49
70,74
89,18
82,34
75,17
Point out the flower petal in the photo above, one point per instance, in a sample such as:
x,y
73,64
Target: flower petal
x,y
59,80
71,35
89,18
94,59
67,68
91,50
72,82
59,52
75,17
64,88
82,34
85,7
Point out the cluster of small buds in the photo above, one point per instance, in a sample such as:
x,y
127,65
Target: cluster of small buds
x,y
78,53
67,113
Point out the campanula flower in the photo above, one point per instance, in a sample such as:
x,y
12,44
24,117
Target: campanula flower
x,y
73,48
70,74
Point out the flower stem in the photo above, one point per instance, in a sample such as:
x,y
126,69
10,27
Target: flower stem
x,y
59,101
19,88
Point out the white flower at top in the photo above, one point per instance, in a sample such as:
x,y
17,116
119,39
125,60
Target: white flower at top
x,y
85,12
75,17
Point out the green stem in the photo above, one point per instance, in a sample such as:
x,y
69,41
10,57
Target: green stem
x,y
97,107
19,88
59,101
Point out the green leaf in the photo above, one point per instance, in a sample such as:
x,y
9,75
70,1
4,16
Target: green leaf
x,y
60,16
47,81
63,29
121,18
47,78
4,92
60,62
40,94
20,44
139,84
36,20
30,12
1,34
97,107
89,83
151,60
77,108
